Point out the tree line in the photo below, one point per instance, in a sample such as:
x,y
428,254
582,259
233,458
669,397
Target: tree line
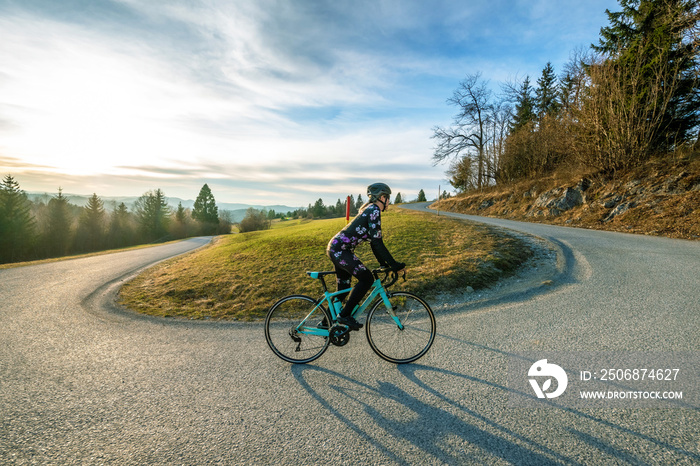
x,y
259,219
55,227
634,95
320,210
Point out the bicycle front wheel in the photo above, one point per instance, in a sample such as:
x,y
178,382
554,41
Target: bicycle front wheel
x,y
407,340
291,329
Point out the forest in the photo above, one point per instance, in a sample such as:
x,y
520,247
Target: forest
x,y
54,227
633,96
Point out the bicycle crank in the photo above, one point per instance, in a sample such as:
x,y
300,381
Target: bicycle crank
x,y
339,335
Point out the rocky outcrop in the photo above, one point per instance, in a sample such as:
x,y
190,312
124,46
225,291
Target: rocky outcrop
x,y
660,198
555,201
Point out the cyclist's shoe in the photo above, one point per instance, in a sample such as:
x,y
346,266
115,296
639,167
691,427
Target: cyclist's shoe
x,y
350,322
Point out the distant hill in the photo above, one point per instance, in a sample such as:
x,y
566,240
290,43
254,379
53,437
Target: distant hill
x,y
237,210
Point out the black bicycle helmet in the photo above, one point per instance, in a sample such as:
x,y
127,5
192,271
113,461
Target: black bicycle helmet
x,y
376,190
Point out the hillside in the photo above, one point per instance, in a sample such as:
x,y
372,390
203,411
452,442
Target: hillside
x,y
660,198
240,276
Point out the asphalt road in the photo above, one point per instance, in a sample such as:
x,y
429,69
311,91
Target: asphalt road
x,y
83,383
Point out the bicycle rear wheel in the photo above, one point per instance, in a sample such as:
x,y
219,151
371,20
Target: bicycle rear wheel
x,y
292,333
393,343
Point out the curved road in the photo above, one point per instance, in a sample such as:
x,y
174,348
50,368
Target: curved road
x,y
83,383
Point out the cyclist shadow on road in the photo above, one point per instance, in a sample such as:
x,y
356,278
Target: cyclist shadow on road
x,y
387,417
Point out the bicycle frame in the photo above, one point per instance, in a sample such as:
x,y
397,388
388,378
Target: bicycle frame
x,y
376,290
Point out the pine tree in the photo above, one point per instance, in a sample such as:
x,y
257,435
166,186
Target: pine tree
x,y
58,233
339,208
91,228
524,107
567,94
17,225
178,228
461,173
121,232
546,93
654,42
421,196
319,209
398,199
180,213
205,209
153,213
353,205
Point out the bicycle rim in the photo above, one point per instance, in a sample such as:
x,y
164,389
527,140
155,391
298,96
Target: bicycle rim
x,y
394,344
282,334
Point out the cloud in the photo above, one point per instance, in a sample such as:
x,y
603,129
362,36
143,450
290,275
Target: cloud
x,y
265,98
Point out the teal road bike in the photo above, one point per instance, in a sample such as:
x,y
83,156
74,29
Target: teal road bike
x,y
400,326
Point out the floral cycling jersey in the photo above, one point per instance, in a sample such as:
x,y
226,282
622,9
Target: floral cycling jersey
x,y
365,227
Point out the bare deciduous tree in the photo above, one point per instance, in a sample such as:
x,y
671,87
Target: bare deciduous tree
x,y
468,136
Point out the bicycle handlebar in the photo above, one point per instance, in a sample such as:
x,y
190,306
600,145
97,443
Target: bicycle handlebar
x,y
390,276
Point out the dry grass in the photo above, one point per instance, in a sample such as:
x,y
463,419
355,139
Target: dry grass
x,y
241,276
665,193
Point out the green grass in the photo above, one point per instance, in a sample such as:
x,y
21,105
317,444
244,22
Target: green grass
x,y
240,276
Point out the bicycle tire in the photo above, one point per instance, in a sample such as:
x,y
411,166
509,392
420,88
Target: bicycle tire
x,y
280,324
401,346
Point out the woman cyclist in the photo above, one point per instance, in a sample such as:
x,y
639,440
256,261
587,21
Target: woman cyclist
x,y
366,226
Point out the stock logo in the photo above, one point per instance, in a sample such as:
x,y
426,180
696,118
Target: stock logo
x,y
544,371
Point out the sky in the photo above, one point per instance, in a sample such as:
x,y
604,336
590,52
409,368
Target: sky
x,y
267,101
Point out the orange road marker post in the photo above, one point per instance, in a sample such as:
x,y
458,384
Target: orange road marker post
x,y
347,210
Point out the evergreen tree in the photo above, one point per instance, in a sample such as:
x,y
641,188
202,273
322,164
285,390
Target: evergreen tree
x,y
567,93
546,93
353,205
121,232
205,209
421,196
180,213
179,227
574,81
153,213
461,174
17,226
398,199
524,107
57,236
319,209
339,208
358,204
655,43
91,231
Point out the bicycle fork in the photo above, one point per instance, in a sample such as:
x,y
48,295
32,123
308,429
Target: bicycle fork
x,y
390,309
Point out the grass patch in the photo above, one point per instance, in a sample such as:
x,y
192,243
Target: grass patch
x,y
240,276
